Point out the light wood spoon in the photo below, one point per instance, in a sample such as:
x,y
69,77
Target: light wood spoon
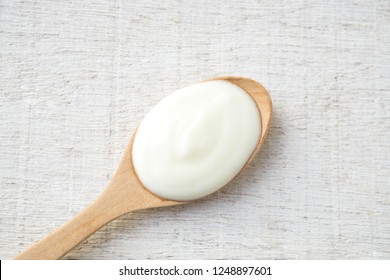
x,y
125,193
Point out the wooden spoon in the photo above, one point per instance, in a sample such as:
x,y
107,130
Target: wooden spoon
x,y
125,192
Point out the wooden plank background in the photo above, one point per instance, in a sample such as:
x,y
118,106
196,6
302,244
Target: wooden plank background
x,y
76,77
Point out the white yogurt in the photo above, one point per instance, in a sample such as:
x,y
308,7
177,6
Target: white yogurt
x,y
196,140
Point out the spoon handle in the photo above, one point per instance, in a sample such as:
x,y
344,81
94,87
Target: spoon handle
x,y
58,243
124,194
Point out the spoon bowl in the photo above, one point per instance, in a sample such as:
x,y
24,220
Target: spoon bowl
x,y
125,193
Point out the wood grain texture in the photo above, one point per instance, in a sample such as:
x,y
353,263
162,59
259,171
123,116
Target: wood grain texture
x,y
72,74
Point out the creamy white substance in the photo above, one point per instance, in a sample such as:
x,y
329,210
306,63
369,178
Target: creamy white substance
x,y
196,140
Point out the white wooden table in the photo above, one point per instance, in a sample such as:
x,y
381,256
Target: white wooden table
x,y
76,77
